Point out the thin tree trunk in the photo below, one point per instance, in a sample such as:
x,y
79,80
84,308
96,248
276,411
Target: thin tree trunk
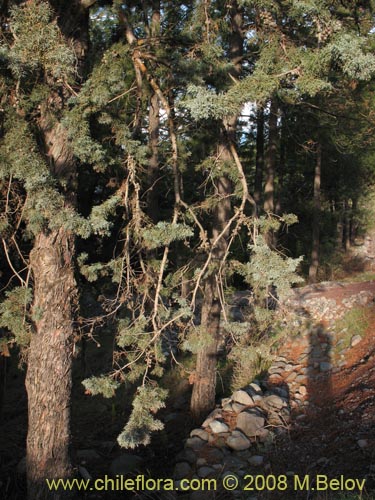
x,y
154,126
313,270
204,389
353,223
271,158
259,160
281,166
153,163
346,243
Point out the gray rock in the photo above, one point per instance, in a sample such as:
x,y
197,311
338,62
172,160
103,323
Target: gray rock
x,y
124,464
238,441
263,435
201,462
217,426
201,433
228,407
291,377
273,418
362,443
355,340
285,415
84,473
214,414
182,470
237,407
205,471
243,398
236,459
256,460
276,370
195,442
225,401
274,402
186,455
302,390
280,391
325,366
250,422
254,388
213,454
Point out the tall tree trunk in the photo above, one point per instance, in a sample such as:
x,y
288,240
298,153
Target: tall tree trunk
x,y
153,126
259,160
153,163
204,390
346,242
271,159
48,379
281,166
313,270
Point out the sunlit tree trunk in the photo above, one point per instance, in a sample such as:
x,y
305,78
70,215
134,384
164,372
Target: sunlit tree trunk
x,y
313,270
259,160
270,167
204,389
154,125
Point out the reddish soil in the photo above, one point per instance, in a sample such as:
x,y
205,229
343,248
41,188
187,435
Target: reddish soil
x,y
337,435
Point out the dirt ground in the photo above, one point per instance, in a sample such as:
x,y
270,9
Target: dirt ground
x,y
337,436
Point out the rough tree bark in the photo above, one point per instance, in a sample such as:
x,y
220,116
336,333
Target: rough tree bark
x,y
313,270
270,167
154,126
281,165
204,389
48,380
259,160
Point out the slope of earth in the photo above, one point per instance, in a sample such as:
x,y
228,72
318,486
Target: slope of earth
x,y
333,424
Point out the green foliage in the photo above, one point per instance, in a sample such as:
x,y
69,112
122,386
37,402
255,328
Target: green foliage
x,y
348,53
100,213
248,362
196,339
45,205
136,333
103,385
163,233
38,43
148,400
14,314
267,268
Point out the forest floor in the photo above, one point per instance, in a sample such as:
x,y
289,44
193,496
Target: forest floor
x,y
334,437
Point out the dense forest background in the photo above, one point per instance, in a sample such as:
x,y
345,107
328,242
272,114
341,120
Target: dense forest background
x,y
156,157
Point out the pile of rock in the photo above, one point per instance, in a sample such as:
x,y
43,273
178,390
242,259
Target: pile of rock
x,y
310,302
231,436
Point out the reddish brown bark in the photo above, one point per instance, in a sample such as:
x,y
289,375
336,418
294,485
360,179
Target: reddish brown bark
x,y
204,389
313,270
48,380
